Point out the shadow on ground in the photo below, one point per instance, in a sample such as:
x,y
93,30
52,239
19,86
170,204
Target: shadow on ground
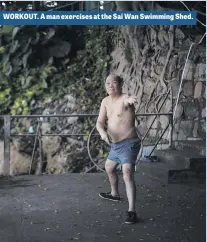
x,y
7,182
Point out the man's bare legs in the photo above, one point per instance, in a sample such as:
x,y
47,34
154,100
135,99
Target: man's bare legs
x,y
110,167
128,176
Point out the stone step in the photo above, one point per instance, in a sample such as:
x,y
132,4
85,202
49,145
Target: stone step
x,y
154,170
197,145
164,173
180,159
185,176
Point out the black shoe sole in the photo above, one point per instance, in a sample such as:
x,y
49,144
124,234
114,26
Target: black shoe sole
x,y
109,198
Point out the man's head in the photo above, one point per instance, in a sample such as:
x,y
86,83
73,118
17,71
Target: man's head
x,y
114,85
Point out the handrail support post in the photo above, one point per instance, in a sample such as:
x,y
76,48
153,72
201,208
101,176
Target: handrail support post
x,y
7,136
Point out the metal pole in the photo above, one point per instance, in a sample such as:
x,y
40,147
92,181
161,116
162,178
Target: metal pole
x,y
26,134
39,169
171,145
158,141
40,150
7,125
171,133
79,115
33,152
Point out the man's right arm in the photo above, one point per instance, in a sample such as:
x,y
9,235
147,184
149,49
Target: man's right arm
x,y
101,122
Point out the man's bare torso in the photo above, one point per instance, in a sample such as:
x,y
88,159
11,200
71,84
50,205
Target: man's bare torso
x,y
121,119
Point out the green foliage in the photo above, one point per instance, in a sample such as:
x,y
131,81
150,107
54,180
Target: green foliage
x,y
5,98
20,107
7,29
90,68
83,75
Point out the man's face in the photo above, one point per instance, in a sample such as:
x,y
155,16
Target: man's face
x,y
113,87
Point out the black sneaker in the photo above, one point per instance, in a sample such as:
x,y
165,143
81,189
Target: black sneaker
x,y
107,195
131,218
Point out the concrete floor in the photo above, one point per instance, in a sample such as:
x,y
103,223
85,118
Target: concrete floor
x,y
67,207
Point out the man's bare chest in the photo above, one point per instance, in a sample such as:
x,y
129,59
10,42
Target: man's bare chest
x,y
116,110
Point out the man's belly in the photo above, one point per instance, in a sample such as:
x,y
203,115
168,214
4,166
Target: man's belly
x,y
118,132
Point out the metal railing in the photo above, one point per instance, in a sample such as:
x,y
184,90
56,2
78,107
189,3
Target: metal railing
x,y
7,132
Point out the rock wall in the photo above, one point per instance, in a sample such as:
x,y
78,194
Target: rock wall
x,y
151,60
57,82
19,162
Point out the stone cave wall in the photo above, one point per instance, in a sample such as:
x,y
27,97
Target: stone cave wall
x,y
151,60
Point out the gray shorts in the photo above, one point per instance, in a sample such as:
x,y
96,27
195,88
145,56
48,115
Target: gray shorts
x,y
125,151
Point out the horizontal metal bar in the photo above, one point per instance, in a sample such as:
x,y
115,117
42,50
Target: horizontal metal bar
x,y
25,134
53,116
79,115
152,114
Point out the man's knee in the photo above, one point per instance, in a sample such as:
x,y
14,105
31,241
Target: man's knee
x,y
128,174
110,166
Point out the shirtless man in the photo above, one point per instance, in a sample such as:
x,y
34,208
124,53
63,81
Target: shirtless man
x,y
121,135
